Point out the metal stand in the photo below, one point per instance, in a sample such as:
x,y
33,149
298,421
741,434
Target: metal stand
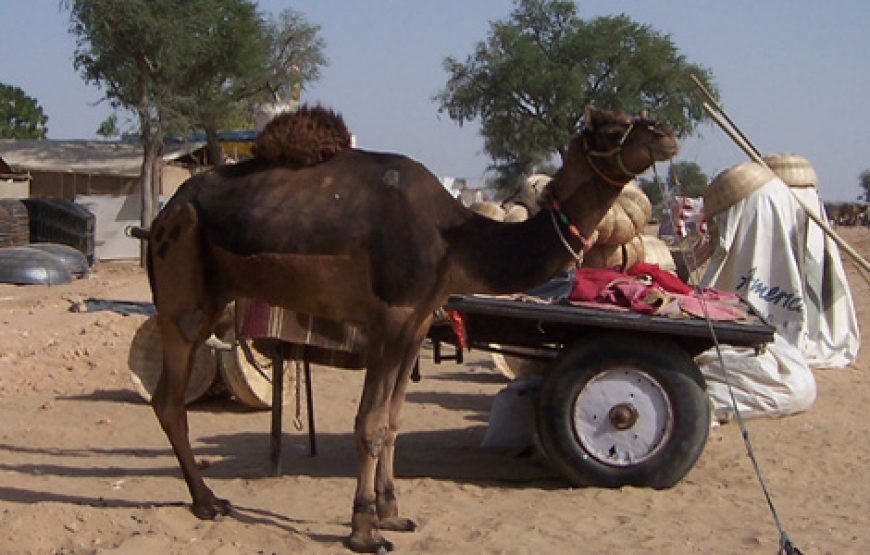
x,y
278,409
277,412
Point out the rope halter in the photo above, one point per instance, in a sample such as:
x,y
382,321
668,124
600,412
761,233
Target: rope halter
x,y
616,152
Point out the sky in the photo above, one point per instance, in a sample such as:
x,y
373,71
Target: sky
x,y
794,75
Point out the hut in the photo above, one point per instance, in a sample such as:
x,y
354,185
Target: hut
x,y
102,176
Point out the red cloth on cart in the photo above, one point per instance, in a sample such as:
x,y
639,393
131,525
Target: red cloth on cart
x,y
648,289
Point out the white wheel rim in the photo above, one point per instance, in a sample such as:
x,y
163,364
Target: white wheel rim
x,y
622,416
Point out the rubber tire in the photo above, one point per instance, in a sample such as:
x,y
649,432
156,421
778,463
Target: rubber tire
x,y
666,363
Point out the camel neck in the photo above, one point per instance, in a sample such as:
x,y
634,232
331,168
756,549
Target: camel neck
x,y
495,257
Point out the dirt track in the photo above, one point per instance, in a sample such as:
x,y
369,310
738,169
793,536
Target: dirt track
x,y
84,467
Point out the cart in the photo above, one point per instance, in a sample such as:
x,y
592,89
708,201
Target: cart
x,y
621,401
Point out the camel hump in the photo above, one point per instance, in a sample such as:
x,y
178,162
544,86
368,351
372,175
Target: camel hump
x,y
308,136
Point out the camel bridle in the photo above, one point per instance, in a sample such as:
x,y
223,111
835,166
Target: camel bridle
x,y
615,152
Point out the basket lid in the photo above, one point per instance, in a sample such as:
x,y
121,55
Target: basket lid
x,y
793,169
734,184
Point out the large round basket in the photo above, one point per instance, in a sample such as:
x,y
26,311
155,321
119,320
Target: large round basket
x,y
793,169
656,251
733,185
626,218
146,364
615,256
247,374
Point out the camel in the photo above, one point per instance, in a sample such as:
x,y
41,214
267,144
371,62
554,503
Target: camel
x,y
315,226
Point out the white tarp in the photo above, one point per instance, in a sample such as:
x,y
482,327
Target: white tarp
x,y
831,338
784,266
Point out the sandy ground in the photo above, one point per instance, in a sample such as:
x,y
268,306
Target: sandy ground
x,y
85,468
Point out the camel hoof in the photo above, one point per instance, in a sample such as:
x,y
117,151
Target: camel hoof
x,y
212,510
370,545
397,524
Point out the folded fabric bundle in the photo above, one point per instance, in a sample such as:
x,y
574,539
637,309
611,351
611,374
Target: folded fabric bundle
x,y
649,289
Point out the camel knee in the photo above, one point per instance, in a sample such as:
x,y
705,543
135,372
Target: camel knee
x,y
371,440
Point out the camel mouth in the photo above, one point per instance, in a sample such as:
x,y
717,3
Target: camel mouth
x,y
664,150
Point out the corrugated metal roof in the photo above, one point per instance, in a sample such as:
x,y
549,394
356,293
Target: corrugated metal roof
x,y
93,157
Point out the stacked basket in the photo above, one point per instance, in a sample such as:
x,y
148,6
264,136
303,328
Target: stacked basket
x,y
619,238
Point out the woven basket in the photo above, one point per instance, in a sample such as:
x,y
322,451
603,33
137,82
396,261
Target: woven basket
x,y
489,209
146,364
250,383
656,251
615,256
538,182
793,169
516,213
734,184
19,224
626,218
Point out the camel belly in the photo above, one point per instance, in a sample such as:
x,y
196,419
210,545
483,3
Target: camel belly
x,y
336,287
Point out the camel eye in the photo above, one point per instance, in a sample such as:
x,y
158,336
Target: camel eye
x,y
614,133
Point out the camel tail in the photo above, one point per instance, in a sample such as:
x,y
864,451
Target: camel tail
x,y
144,234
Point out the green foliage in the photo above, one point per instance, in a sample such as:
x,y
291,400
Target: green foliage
x,y
530,81
21,116
687,179
865,186
184,64
684,179
651,189
295,55
109,127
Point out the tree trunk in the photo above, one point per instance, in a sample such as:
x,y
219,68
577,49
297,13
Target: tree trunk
x,y
213,147
146,186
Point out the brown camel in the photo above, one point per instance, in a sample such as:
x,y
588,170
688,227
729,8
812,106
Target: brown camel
x,y
365,237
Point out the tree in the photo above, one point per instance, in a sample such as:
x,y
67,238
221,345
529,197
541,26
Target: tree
x,y
230,52
687,179
295,55
21,117
135,52
684,178
109,127
865,186
530,81
246,59
176,64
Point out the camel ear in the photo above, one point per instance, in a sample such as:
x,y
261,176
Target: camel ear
x,y
590,117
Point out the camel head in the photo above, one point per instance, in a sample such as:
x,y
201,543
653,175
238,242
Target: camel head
x,y
615,147
620,146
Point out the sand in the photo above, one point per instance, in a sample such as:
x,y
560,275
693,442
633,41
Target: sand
x,y
85,468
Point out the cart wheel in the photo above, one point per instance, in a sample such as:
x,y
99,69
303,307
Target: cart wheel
x,y
624,410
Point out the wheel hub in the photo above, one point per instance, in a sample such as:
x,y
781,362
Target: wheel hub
x,y
623,416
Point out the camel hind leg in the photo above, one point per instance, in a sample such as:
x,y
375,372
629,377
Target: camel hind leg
x,y
186,316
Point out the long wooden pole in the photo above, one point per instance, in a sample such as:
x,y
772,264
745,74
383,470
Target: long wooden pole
x,y
730,129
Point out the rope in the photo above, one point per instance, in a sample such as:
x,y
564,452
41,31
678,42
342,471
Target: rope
x,y
578,256
785,544
297,420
